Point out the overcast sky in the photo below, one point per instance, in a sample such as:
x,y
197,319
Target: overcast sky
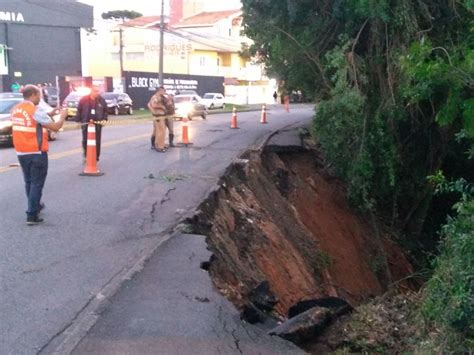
x,y
152,7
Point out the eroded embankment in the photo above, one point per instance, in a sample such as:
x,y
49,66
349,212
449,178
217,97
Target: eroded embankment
x,y
279,217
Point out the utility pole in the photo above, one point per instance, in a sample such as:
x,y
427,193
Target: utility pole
x,y
120,32
121,52
162,32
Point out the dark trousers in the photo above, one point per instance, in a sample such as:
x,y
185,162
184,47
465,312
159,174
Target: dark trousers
x,y
35,169
98,136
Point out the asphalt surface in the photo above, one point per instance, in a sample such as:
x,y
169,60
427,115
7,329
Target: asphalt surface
x,y
172,308
99,231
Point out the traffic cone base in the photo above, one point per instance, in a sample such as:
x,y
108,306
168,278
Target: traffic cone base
x,y
97,173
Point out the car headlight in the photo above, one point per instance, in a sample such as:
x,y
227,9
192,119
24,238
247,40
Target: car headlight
x,y
5,124
185,109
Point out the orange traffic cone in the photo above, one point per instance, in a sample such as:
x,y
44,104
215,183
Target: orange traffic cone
x,y
287,104
185,134
233,122
263,118
91,153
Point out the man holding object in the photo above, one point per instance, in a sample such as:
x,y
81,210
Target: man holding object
x,y
30,139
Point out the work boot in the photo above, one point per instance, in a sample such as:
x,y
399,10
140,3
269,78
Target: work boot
x,y
33,220
170,138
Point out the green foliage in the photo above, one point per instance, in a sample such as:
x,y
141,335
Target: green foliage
x,y
121,15
449,294
433,74
245,52
448,298
395,83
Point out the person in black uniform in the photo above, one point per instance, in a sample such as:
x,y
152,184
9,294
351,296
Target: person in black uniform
x,y
92,107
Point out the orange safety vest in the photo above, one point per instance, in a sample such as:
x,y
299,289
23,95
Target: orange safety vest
x,y
28,135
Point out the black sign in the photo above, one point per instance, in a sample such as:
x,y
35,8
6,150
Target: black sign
x,y
140,86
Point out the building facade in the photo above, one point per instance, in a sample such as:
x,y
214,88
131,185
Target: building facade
x,y
207,43
185,52
41,39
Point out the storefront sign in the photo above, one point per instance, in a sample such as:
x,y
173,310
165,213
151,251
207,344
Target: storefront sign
x,y
140,85
174,49
11,16
170,84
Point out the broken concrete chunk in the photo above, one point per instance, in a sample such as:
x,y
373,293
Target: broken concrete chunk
x,y
262,297
337,306
304,326
252,314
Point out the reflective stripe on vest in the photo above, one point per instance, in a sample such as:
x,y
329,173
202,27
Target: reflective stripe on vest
x,y
24,129
28,135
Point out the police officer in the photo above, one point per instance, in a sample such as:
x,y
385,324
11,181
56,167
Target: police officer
x,y
169,121
157,107
30,139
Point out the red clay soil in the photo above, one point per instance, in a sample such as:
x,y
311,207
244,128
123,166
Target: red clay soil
x,y
281,218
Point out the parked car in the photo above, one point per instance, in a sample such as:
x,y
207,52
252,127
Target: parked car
x,y
52,96
189,106
213,100
7,102
72,101
118,103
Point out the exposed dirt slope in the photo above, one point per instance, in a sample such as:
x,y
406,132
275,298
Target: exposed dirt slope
x,y
280,217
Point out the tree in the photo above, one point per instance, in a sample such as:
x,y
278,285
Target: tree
x,y
121,15
395,84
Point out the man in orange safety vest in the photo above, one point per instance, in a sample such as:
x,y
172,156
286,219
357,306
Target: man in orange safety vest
x,y
30,139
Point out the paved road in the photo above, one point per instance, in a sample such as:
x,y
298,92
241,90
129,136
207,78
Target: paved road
x,y
97,228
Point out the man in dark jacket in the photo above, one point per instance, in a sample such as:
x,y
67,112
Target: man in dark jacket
x,y
92,107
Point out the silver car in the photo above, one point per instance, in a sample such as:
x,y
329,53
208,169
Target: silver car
x,y
189,106
7,102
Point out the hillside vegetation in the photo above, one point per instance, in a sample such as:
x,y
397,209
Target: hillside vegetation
x,y
393,83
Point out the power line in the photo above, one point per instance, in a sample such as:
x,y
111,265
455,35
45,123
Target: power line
x,y
179,34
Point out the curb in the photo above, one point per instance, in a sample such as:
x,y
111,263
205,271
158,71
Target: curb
x,y
86,318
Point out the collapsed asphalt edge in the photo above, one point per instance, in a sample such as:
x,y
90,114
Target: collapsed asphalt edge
x,y
80,325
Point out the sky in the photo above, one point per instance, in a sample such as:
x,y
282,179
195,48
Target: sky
x,y
152,7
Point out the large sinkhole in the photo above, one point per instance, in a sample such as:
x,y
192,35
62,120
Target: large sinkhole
x,y
279,225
